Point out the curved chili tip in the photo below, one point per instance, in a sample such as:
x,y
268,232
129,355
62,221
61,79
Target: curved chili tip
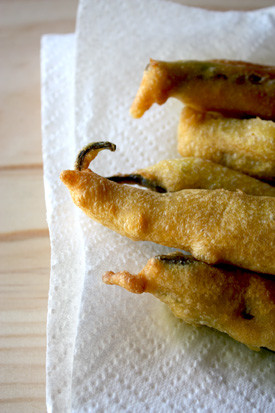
x,y
133,283
89,152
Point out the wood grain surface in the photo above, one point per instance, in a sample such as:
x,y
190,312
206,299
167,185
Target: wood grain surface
x,y
24,240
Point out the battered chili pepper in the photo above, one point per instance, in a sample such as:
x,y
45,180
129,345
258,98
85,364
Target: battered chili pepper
x,y
177,174
214,225
247,145
237,302
233,88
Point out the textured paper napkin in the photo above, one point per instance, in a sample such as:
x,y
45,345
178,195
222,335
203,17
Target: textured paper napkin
x,y
109,350
59,148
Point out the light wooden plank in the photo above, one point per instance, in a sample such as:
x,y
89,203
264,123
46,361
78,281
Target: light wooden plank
x,y
23,405
17,329
24,243
23,390
22,204
27,355
24,283
22,24
20,374
18,13
30,256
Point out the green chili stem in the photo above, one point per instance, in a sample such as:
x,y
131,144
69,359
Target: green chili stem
x,y
89,152
177,258
138,180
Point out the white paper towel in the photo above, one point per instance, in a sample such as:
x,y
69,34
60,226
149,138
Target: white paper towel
x,y
57,70
109,350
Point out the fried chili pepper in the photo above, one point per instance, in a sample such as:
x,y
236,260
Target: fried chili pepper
x,y
233,88
194,173
214,225
246,145
237,302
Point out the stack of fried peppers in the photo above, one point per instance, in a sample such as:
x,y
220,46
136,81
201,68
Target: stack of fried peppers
x,y
217,202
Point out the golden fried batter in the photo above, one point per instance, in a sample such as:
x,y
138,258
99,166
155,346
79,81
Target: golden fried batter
x,y
231,87
214,225
189,172
247,145
237,302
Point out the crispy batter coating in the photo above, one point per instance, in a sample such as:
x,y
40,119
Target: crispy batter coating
x,y
214,225
247,145
196,173
233,88
237,302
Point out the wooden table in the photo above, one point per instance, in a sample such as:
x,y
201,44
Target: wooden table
x,y
25,249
